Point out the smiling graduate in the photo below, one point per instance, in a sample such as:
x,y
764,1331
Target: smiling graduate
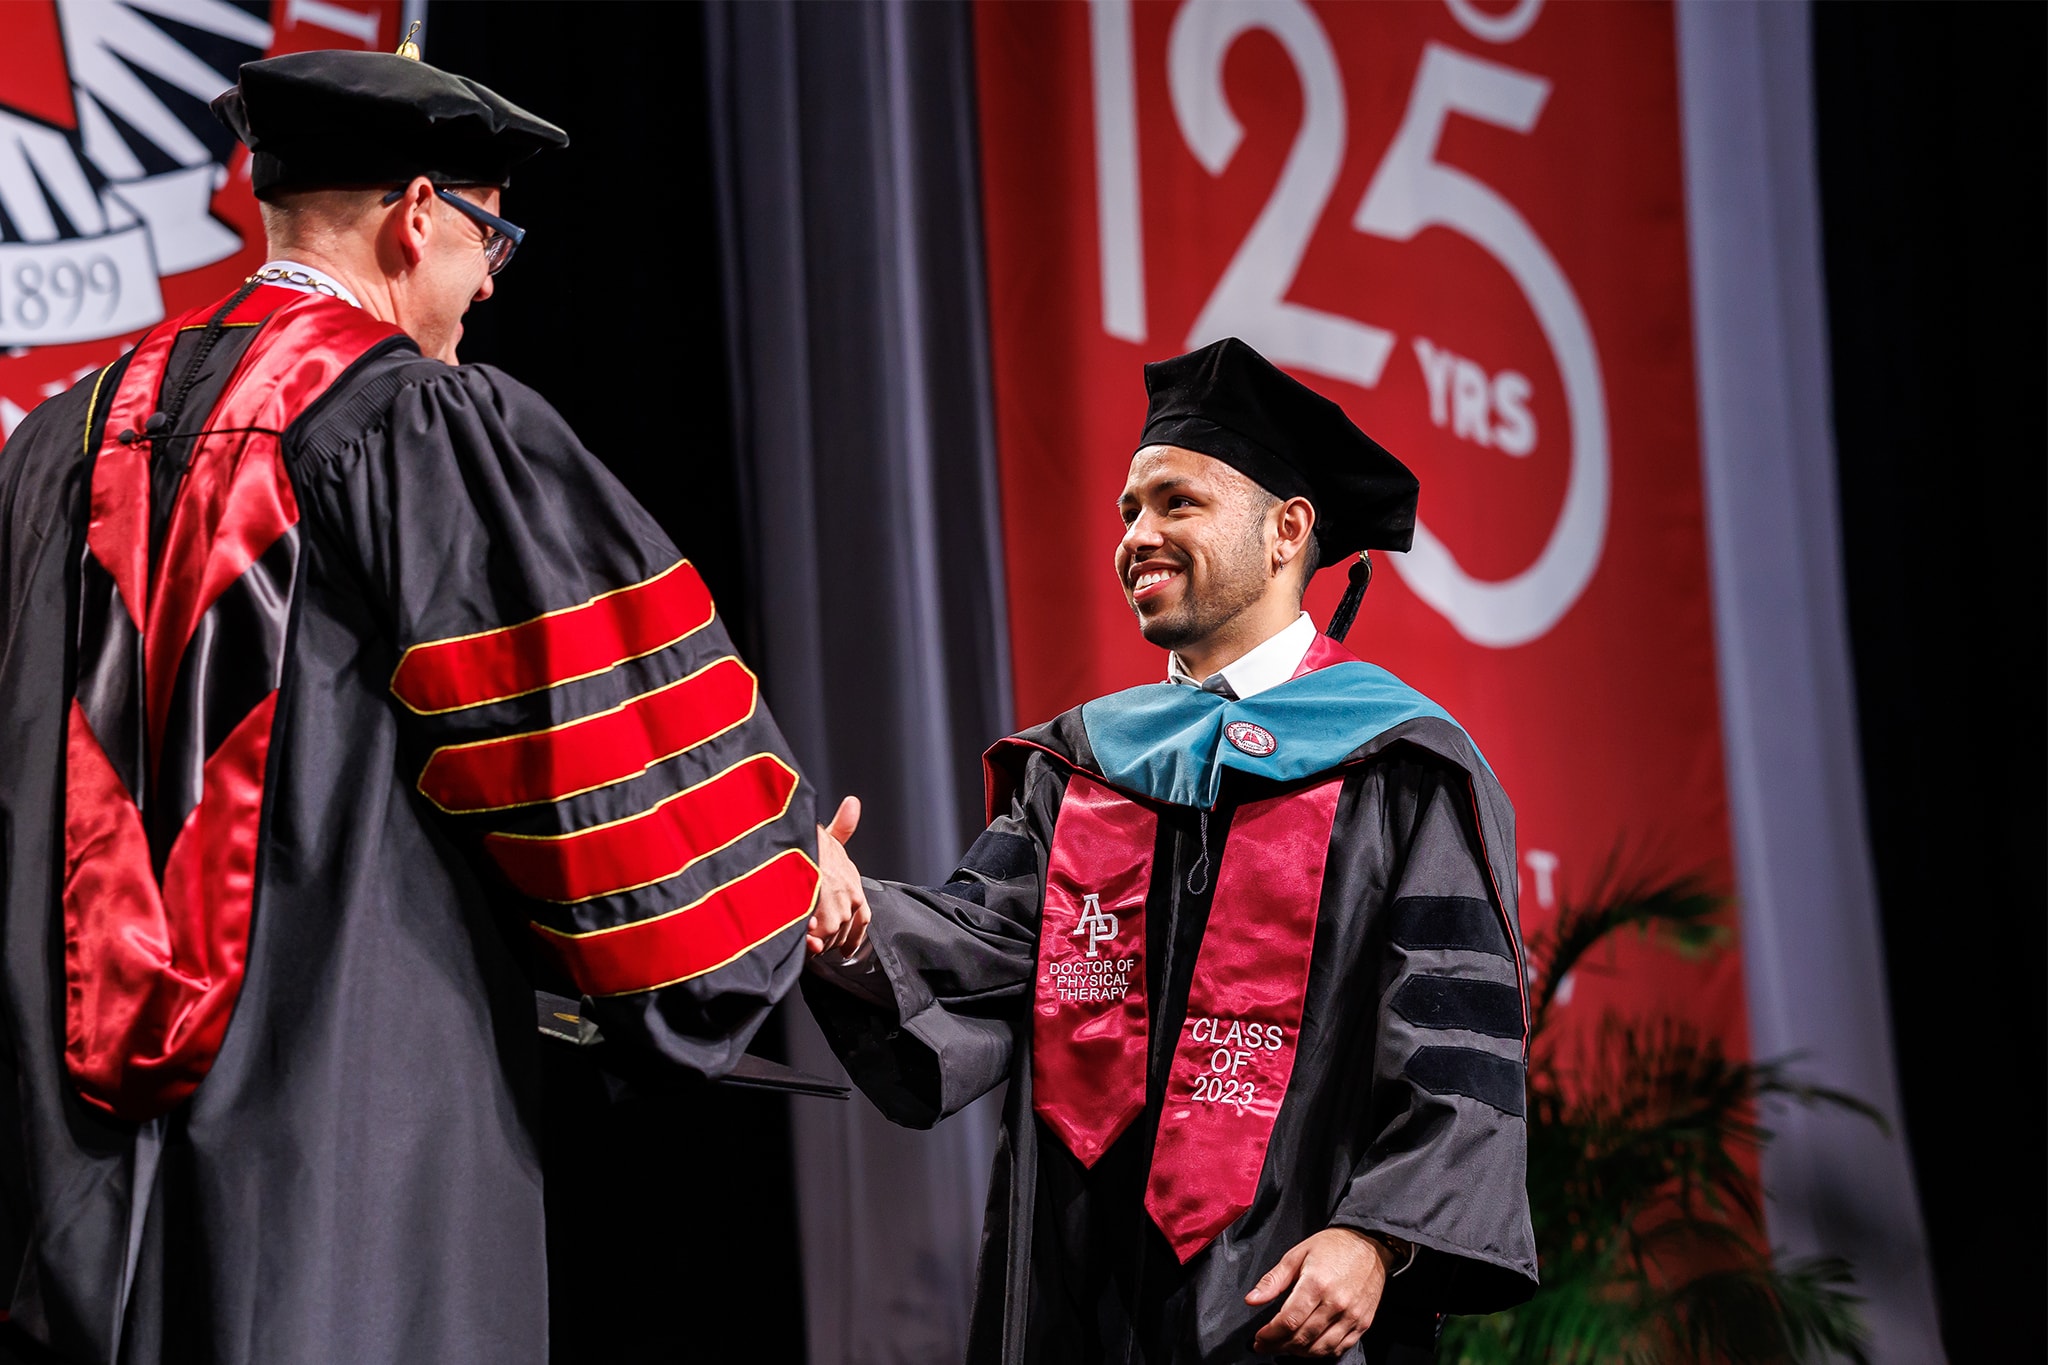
x,y
1243,943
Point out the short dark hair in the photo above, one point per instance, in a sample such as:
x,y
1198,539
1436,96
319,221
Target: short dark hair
x,y
1312,554
1311,560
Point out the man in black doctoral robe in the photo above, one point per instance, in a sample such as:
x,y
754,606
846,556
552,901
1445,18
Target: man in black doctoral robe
x,y
336,680
1243,944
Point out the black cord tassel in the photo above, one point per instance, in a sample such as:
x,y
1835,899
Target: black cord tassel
x,y
150,432
130,436
167,416
1361,575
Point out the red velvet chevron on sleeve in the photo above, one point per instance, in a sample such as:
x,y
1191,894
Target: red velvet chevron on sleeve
x,y
554,648
593,751
542,791
692,939
653,845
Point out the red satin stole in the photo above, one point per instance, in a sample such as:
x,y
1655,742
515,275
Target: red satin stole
x,y
156,939
1088,1044
1235,1054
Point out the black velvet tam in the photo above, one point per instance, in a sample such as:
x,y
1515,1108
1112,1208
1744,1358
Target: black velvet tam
x,y
334,119
1229,402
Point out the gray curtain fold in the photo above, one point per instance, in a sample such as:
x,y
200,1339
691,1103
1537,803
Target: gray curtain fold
x,y
1812,943
845,139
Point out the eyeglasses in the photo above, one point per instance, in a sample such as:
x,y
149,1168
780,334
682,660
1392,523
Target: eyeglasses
x,y
501,238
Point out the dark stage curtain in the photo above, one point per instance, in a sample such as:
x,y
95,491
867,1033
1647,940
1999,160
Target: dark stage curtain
x,y
1932,122
672,1228
846,143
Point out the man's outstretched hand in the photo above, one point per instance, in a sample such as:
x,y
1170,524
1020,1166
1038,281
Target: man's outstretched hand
x,y
841,919
1338,1276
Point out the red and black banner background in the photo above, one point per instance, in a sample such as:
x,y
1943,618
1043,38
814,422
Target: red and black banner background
x,y
1465,223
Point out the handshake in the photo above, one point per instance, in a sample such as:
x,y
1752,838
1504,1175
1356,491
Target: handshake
x,y
840,919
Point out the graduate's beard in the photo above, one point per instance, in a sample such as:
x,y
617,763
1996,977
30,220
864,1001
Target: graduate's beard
x,y
1235,582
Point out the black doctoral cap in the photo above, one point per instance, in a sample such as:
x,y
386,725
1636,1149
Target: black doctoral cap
x,y
336,119
1229,402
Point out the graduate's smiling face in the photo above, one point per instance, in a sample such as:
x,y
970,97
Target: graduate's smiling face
x,y
1195,553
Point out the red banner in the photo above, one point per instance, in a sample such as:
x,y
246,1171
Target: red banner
x,y
122,199
1465,222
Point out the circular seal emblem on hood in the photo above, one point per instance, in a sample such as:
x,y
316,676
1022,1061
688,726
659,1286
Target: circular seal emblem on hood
x,y
1248,738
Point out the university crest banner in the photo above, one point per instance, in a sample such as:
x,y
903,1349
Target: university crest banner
x,y
122,199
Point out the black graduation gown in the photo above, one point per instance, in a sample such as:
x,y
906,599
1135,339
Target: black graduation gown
x,y
1072,1267
357,1178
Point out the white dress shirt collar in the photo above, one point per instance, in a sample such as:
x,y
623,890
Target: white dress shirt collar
x,y
1265,665
307,280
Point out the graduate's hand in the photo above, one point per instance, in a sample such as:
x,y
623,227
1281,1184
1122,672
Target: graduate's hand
x,y
841,919
1338,1276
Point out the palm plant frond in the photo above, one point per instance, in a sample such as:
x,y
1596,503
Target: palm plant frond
x,y
1765,1314
1647,1210
1682,913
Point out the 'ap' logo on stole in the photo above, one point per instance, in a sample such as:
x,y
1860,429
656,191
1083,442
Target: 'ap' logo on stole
x,y
1096,922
